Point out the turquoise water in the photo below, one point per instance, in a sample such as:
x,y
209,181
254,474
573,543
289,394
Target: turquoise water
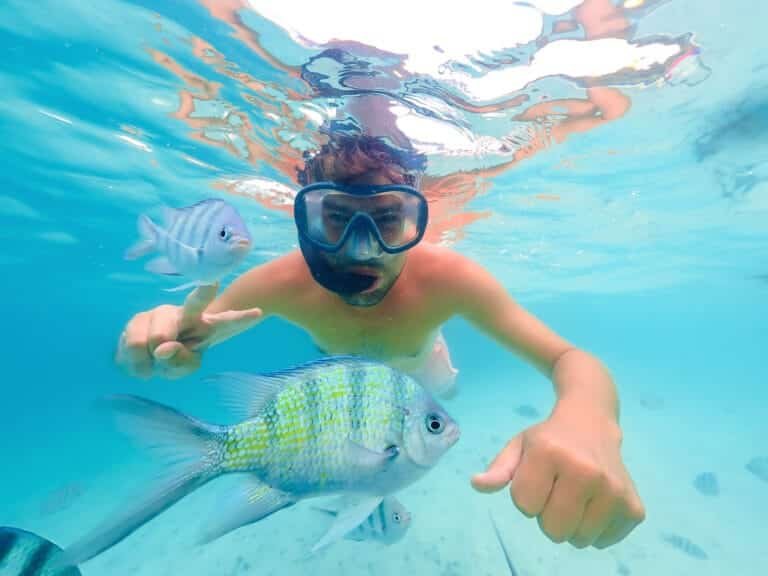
x,y
641,239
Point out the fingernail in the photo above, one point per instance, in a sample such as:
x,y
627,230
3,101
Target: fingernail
x,y
166,354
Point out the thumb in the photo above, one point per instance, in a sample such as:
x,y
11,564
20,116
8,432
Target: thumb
x,y
501,470
167,350
175,360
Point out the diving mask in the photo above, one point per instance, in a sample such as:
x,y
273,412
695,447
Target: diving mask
x,y
327,213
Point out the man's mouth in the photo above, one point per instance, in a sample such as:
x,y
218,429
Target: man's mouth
x,y
374,285
363,280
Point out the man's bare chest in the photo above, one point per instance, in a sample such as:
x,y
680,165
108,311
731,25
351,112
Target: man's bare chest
x,y
384,335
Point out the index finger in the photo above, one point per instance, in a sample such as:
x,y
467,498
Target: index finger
x,y
132,352
197,301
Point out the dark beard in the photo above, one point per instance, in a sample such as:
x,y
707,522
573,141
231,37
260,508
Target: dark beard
x,y
348,285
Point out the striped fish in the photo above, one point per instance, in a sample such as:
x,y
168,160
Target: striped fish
x,y
387,524
23,553
203,242
340,425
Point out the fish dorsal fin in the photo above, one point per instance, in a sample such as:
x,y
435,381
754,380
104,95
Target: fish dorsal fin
x,y
246,394
170,215
345,360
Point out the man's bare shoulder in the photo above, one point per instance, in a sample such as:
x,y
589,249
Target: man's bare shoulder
x,y
287,270
271,285
450,277
434,263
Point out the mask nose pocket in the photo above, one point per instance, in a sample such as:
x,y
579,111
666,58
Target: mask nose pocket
x,y
361,244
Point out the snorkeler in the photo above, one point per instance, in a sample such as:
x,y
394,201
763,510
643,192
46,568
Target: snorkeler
x,y
363,283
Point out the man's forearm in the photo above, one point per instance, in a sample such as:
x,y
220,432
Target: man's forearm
x,y
581,378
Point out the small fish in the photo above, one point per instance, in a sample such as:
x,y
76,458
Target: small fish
x,y
685,546
203,242
507,557
339,425
24,553
388,523
62,498
707,484
759,467
527,411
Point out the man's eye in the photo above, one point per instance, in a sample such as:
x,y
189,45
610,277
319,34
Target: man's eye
x,y
389,219
337,217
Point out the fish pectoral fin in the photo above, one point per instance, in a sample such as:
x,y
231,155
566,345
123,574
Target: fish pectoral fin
x,y
347,520
184,286
190,252
369,460
254,502
326,511
161,265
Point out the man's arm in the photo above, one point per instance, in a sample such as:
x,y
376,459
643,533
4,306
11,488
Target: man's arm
x,y
567,471
268,286
577,375
168,340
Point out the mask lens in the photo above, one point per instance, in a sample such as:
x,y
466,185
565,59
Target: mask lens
x,y
327,213
396,215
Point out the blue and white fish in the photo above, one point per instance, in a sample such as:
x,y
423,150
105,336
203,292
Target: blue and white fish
x,y
24,553
203,242
340,425
387,524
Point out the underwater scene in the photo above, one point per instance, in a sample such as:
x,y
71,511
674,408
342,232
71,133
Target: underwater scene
x,y
384,288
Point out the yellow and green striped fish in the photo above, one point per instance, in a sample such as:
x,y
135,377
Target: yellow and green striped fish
x,y
340,425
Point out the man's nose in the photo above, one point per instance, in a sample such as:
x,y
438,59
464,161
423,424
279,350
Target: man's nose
x,y
361,244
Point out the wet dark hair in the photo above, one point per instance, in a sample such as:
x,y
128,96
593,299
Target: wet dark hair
x,y
347,156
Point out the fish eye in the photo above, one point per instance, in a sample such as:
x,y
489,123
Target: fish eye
x,y
434,423
396,516
224,233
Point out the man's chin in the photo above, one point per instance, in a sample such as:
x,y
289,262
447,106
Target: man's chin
x,y
364,299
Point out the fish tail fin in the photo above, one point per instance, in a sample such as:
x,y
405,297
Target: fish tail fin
x,y
192,449
148,234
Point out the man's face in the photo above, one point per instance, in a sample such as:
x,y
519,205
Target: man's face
x,y
371,271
